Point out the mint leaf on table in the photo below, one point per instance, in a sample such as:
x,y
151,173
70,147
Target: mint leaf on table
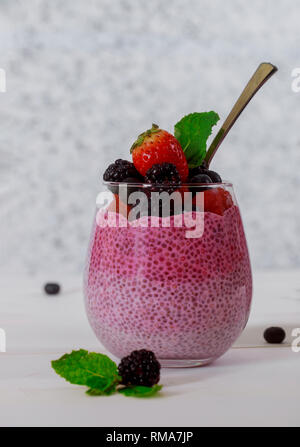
x,y
192,132
97,371
104,392
140,391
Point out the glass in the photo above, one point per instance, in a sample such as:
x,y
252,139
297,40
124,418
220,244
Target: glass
x,y
180,286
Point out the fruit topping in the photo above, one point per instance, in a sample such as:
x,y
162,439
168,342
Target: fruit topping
x,y
196,171
199,170
121,171
216,200
157,146
140,368
201,178
165,161
165,175
215,178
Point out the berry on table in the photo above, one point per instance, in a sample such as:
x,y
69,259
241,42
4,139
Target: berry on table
x,y
274,335
52,288
157,146
140,368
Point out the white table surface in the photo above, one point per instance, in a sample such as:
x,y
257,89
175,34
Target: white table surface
x,y
254,384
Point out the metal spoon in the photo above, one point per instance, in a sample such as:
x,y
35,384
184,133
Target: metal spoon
x,y
262,74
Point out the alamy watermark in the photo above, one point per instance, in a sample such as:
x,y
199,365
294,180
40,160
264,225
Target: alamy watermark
x,y
296,82
152,209
2,81
2,340
296,341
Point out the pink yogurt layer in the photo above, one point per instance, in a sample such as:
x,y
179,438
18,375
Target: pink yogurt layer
x,y
153,288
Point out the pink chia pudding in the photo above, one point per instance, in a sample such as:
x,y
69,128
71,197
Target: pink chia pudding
x,y
154,288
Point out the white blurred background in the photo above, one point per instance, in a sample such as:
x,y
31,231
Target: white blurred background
x,y
85,77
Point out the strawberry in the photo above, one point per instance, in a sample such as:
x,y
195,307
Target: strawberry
x,y
156,146
117,206
216,200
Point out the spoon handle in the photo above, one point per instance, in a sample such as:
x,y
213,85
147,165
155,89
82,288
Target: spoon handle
x,y
262,74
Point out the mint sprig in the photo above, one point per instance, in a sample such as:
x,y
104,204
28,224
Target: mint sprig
x,y
99,373
140,391
192,132
98,392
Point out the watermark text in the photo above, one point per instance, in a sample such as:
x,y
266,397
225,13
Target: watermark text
x,y
296,82
296,341
152,209
2,81
2,340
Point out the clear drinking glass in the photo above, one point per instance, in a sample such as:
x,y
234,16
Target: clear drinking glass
x,y
175,278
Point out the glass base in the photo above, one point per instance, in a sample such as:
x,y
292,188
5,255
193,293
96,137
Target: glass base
x,y
184,363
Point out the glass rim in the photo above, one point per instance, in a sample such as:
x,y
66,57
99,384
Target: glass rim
x,y
225,183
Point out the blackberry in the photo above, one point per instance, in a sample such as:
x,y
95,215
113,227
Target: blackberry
x,y
165,178
202,170
215,177
201,178
197,171
165,175
140,368
120,170
274,335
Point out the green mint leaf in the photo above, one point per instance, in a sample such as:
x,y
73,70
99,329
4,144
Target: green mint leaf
x,y
140,391
104,392
102,387
97,371
192,132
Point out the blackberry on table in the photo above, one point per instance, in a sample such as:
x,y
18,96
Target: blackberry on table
x,y
140,368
